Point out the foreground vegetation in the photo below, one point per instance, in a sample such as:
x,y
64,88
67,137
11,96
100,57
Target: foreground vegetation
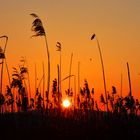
x,y
23,116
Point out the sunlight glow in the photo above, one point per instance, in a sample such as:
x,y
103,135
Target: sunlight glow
x,y
66,103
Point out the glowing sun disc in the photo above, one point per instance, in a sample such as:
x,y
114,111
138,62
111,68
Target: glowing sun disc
x,y
66,103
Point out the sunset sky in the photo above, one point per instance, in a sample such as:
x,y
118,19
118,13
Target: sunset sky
x,y
72,22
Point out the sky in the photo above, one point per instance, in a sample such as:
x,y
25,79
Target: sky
x,y
72,23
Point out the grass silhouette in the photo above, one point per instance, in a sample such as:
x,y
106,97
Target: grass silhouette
x,y
39,30
26,117
104,80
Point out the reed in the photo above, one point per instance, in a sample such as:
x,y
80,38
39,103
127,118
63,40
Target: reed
x,y
103,71
37,27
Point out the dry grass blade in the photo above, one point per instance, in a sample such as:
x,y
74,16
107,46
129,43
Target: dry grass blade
x,y
93,36
34,15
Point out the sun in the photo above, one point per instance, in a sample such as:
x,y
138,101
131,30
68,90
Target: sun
x,y
66,103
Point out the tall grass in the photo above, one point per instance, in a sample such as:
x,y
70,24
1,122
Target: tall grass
x,y
104,80
37,27
70,71
2,56
129,79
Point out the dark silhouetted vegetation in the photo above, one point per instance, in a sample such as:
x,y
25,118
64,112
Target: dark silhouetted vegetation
x,y
43,116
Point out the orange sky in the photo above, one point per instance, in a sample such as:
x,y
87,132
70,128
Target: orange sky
x,y
116,24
